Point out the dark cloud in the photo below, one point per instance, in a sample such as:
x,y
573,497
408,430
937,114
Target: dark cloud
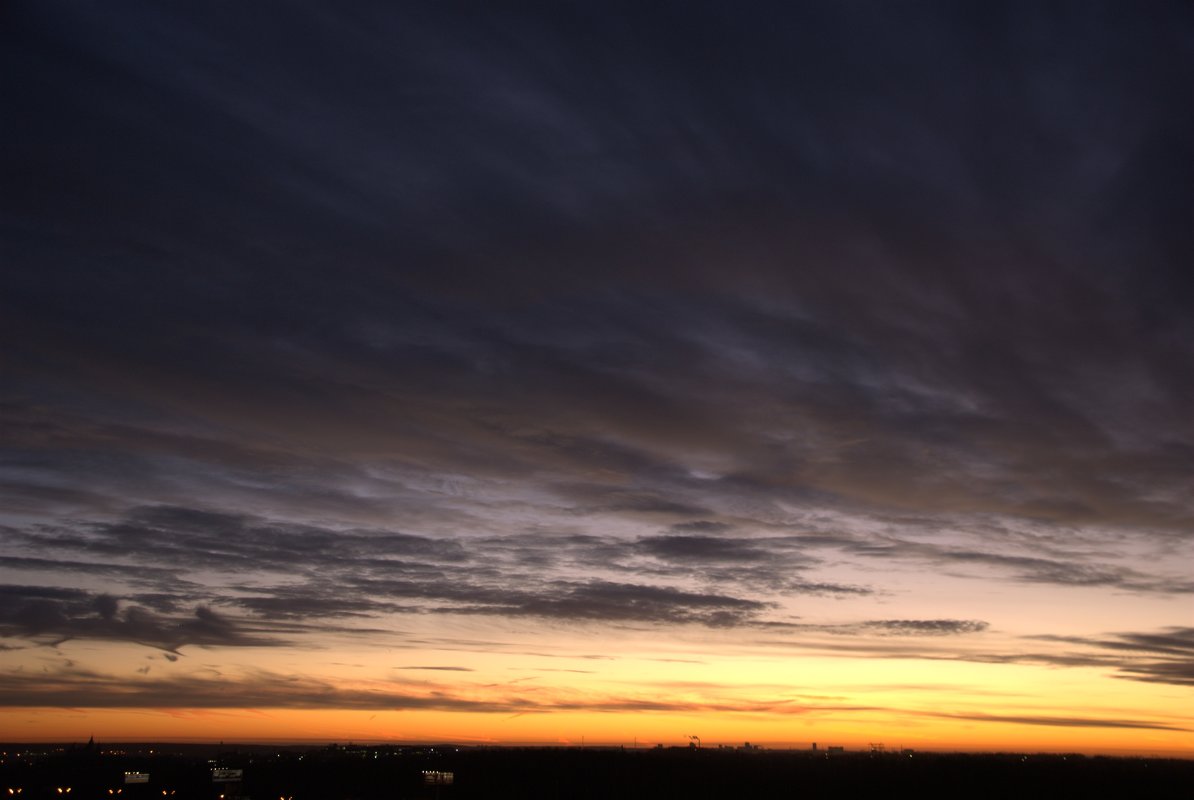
x,y
869,629
1170,642
1177,673
365,575
80,688
620,602
56,615
702,548
1038,570
106,606
926,627
346,574
1080,570
1064,722
1165,656
587,246
702,526
83,689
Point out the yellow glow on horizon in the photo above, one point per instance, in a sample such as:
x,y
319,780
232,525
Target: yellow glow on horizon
x,y
463,688
575,728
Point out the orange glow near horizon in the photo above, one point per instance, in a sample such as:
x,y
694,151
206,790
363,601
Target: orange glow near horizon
x,y
639,693
289,726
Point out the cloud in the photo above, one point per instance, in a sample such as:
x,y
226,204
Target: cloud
x,y
1078,572
1176,673
324,574
701,526
1063,722
57,615
1164,656
264,690
620,602
874,636
702,548
926,627
665,317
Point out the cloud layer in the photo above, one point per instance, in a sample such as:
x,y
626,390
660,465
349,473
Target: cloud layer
x,y
829,330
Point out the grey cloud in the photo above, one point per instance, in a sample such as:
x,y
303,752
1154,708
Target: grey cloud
x,y
1077,572
362,575
619,602
796,586
365,574
1175,641
1176,673
770,564
1162,656
702,526
229,543
862,635
1165,656
1063,722
80,688
702,548
144,572
56,615
313,603
927,627
1037,570
106,606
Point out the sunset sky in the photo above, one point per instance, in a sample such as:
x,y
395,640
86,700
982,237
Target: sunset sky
x,y
617,373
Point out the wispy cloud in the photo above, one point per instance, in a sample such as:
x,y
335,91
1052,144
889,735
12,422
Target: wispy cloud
x,y
55,616
1165,656
1063,722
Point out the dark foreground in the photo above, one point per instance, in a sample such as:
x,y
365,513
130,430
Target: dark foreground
x,y
176,772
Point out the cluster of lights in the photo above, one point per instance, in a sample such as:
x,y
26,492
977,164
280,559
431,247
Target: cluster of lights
x,y
63,789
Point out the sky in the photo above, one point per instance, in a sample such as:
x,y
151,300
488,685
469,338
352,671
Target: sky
x,y
598,372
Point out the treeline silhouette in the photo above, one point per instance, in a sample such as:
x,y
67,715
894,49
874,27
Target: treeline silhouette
x,y
392,773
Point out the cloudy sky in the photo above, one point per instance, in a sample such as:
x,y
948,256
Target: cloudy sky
x,y
812,372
